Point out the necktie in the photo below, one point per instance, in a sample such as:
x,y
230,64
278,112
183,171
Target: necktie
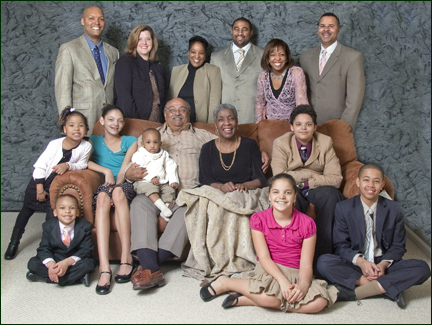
x,y
66,237
303,154
96,56
322,61
369,251
241,59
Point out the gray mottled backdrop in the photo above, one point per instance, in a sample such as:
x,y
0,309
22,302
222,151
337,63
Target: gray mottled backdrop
x,y
395,37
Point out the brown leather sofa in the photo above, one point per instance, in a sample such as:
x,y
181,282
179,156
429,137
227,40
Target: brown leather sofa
x,y
83,183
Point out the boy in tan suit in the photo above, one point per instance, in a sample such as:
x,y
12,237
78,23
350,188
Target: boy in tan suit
x,y
309,157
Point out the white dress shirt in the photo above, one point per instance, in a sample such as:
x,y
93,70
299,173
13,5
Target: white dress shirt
x,y
235,48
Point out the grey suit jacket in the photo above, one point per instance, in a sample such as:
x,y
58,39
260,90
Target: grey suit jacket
x,y
338,92
207,89
239,88
77,79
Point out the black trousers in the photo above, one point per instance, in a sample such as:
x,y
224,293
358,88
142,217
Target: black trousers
x,y
324,199
401,275
73,274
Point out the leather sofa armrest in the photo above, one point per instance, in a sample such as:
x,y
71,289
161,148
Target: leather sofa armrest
x,y
349,187
80,183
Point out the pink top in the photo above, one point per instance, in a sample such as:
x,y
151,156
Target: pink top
x,y
284,243
293,94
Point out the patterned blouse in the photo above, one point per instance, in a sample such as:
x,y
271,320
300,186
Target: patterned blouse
x,y
293,94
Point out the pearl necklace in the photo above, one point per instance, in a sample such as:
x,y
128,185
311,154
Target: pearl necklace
x,y
225,167
278,77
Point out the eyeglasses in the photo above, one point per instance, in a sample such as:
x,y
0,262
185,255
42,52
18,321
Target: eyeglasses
x,y
173,109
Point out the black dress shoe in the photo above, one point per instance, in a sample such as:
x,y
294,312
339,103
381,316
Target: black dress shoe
x,y
86,280
106,288
401,300
231,300
37,278
345,294
123,278
205,292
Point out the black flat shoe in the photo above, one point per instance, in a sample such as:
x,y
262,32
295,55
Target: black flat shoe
x,y
232,300
106,288
123,278
205,292
32,277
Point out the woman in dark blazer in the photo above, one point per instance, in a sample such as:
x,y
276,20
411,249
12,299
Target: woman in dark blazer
x,y
139,79
198,83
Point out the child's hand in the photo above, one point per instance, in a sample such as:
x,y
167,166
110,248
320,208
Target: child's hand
x,y
155,180
285,287
298,292
62,266
52,271
174,185
109,178
369,269
61,168
41,197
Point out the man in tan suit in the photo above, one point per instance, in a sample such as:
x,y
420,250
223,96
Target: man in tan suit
x,y
337,91
240,65
309,157
81,80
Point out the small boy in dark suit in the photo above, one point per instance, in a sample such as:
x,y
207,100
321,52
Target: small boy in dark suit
x,y
368,244
64,255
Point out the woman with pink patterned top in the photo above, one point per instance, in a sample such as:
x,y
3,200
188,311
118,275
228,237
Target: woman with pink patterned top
x,y
281,86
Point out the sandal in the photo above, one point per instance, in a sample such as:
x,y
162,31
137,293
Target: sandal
x,y
123,278
232,300
205,292
106,288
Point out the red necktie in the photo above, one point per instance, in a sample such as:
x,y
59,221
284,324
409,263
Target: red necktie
x,y
66,237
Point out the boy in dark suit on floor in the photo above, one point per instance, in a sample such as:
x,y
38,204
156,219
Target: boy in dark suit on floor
x,y
368,245
64,255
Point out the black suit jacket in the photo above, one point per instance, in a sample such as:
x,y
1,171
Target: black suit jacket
x,y
133,87
349,231
51,245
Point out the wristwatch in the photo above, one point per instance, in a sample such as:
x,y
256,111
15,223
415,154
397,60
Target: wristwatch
x,y
300,185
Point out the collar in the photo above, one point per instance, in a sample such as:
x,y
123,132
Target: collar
x,y
308,145
366,208
152,156
70,227
272,224
330,49
92,45
166,129
246,47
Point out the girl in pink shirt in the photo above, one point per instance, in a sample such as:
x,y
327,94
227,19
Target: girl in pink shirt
x,y
284,240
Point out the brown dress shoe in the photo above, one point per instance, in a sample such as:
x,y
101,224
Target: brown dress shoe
x,y
146,280
136,275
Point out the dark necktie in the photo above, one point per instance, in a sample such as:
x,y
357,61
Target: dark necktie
x,y
99,63
303,154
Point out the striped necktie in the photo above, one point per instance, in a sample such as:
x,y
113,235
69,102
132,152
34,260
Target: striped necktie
x,y
322,61
370,249
241,59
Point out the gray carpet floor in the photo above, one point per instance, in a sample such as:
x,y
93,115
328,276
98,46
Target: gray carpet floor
x,y
177,302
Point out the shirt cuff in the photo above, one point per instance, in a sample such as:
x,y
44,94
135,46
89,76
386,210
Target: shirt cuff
x,y
356,256
76,259
47,260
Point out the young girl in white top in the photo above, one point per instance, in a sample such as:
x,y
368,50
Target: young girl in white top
x,y
284,240
63,154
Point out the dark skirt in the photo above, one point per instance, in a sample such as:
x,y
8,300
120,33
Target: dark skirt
x,y
30,200
127,188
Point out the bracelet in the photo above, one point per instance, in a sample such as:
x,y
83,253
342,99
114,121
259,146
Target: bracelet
x,y
41,192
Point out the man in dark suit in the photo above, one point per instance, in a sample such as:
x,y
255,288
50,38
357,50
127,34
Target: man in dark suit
x,y
64,255
334,74
368,245
240,65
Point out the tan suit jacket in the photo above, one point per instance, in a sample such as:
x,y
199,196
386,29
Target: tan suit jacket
x,y
323,160
77,79
207,89
338,92
239,87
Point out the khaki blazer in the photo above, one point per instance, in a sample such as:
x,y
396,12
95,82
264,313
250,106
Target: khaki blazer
x,y
207,89
77,79
239,87
323,160
338,92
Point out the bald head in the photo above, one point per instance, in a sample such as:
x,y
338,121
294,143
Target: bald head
x,y
177,114
85,11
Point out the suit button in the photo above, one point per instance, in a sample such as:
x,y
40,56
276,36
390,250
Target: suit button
x,y
196,102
